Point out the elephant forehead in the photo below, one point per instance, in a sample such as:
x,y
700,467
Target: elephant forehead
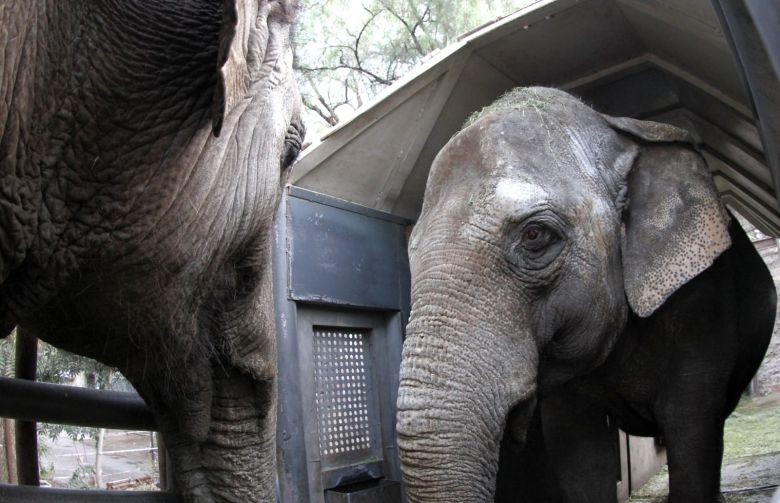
x,y
511,194
501,201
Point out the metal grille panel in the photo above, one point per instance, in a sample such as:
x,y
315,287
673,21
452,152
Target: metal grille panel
x,y
340,377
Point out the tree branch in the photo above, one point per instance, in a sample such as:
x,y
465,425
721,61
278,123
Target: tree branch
x,y
344,66
410,29
329,115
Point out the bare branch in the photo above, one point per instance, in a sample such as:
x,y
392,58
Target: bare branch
x,y
356,50
410,29
344,66
329,119
329,113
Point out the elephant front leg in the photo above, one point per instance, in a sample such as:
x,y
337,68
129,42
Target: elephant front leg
x,y
524,470
580,447
694,452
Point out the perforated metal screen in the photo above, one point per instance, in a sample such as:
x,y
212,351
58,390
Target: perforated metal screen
x,y
341,375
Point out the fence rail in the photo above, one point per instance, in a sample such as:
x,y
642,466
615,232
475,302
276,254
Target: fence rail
x,y
56,403
24,494
25,400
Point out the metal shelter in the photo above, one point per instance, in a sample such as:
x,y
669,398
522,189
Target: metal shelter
x,y
710,66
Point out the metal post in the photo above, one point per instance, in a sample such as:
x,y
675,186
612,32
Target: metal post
x,y
26,431
162,459
164,464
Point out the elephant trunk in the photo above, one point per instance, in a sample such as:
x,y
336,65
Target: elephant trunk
x,y
227,454
457,388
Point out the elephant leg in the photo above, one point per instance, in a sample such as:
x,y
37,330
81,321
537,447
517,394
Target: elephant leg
x,y
694,451
524,471
581,448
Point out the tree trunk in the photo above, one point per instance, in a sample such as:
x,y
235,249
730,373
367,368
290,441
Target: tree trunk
x,y
99,458
10,450
26,431
3,464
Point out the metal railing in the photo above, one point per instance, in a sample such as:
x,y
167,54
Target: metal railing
x,y
31,401
56,403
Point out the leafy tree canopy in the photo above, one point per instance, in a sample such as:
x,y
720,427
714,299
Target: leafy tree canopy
x,y
61,367
347,51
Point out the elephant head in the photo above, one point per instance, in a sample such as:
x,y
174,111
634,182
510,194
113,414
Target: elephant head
x,y
543,224
143,147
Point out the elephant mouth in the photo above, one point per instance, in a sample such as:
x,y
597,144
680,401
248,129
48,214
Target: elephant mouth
x,y
519,418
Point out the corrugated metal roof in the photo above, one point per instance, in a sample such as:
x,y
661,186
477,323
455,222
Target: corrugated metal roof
x,y
701,65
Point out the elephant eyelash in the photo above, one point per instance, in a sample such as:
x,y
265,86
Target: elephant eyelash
x,y
292,144
291,151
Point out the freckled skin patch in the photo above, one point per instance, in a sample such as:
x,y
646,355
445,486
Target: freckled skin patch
x,y
683,229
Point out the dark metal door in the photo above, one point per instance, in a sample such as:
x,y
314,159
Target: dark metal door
x,y
342,297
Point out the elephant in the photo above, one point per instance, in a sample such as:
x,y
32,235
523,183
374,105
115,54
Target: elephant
x,y
573,271
144,146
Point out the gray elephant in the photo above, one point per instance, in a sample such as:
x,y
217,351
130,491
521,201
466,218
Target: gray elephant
x,y
568,265
143,146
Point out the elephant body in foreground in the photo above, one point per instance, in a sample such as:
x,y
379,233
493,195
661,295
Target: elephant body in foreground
x,y
568,267
143,146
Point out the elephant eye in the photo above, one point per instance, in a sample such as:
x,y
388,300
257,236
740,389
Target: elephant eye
x,y
536,244
536,237
532,234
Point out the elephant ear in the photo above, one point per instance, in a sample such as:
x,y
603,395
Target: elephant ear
x,y
245,44
675,223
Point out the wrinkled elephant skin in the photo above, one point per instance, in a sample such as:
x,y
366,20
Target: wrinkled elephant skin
x,y
143,146
567,267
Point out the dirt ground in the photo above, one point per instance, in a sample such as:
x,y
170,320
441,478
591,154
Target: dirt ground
x,y
751,458
126,455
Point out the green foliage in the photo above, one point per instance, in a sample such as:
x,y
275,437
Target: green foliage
x,y
60,367
344,60
46,472
7,350
83,477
